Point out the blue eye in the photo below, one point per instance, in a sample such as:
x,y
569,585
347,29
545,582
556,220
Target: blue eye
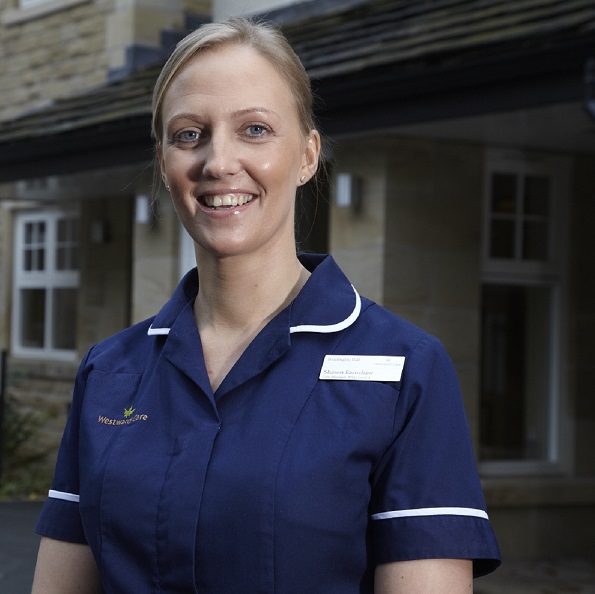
x,y
257,130
187,136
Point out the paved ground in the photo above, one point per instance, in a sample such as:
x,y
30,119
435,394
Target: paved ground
x,y
18,546
18,550
570,576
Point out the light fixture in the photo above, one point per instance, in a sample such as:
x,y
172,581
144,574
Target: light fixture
x,y
348,191
143,209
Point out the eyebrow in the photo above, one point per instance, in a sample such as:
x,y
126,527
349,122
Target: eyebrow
x,y
238,113
247,110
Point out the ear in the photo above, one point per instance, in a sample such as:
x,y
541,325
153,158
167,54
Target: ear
x,y
310,157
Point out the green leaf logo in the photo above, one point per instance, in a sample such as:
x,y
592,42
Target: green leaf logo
x,y
128,412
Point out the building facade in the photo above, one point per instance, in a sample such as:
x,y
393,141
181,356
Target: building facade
x,y
461,153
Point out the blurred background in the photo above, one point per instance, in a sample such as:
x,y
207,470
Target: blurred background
x,y
460,151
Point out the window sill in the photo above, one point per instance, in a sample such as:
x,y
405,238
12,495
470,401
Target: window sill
x,y
14,16
538,492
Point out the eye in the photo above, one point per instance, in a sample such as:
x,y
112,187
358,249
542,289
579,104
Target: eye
x,y
257,130
186,137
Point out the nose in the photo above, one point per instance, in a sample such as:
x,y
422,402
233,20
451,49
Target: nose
x,y
220,157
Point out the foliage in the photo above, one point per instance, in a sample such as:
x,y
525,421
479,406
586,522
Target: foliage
x,y
24,476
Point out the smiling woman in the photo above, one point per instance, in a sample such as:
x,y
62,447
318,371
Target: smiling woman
x,y
233,154
295,436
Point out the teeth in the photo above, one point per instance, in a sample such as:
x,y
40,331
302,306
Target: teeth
x,y
227,200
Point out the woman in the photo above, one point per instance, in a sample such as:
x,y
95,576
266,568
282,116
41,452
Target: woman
x,y
304,439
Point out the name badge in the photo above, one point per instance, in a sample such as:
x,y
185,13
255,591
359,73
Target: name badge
x,y
375,368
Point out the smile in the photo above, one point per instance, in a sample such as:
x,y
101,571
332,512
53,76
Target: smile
x,y
227,200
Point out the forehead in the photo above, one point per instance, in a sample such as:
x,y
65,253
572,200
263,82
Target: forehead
x,y
234,74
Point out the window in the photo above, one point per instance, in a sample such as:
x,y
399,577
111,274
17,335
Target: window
x,y
520,403
28,3
46,282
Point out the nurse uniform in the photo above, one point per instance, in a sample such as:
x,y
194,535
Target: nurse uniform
x,y
338,441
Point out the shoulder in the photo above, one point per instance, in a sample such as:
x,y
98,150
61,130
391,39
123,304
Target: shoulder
x,y
391,331
123,352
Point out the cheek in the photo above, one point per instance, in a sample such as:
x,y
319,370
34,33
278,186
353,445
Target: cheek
x,y
180,167
280,164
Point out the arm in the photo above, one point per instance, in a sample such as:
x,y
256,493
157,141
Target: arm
x,y
438,576
65,568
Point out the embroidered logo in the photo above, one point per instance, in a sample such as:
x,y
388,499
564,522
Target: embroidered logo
x,y
127,420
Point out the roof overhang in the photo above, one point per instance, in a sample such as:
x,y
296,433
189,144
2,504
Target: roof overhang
x,y
368,73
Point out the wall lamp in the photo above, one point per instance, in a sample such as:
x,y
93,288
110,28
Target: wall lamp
x,y
146,210
348,191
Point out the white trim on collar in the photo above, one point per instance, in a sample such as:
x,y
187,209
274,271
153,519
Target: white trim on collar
x,y
157,331
327,329
333,327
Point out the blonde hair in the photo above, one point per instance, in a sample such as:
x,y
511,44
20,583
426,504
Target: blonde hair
x,y
266,39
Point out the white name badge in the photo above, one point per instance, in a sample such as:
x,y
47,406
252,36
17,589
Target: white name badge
x,y
375,368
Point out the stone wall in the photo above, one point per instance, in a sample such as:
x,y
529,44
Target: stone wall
x,y
224,8
414,245
155,259
105,272
357,235
433,249
50,54
61,47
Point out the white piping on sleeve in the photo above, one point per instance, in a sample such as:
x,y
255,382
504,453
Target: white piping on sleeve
x,y
431,511
333,327
157,331
64,496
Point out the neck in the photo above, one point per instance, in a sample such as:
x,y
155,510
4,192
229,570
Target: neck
x,y
242,293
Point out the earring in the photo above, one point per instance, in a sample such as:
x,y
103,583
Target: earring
x,y
303,178
167,187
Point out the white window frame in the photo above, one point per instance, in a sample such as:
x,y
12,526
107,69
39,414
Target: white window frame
x,y
48,279
550,273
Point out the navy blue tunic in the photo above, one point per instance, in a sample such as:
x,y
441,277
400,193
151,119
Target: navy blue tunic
x,y
279,482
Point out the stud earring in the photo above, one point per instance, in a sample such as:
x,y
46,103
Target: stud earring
x,y
303,178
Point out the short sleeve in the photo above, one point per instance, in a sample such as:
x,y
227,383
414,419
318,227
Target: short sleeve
x,y
60,517
426,499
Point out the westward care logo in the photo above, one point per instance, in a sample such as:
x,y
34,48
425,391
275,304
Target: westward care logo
x,y
127,420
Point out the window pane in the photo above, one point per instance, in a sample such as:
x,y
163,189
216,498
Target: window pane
x,y
64,317
28,233
502,239
28,260
535,241
32,318
67,245
34,247
515,395
504,193
537,190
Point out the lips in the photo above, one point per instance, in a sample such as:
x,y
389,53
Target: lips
x,y
226,200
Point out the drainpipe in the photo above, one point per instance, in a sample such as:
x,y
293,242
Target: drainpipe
x,y
590,87
2,387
